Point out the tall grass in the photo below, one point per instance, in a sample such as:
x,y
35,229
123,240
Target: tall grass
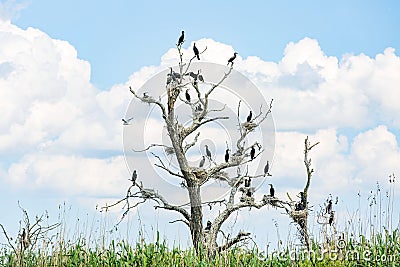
x,y
372,240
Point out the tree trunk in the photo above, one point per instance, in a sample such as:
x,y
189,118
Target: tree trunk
x,y
196,222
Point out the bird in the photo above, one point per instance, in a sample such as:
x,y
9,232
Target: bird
x,y
329,207
199,108
250,116
208,152
247,182
331,218
199,76
187,95
196,51
181,38
126,122
232,59
252,152
249,193
266,168
271,191
202,161
134,177
208,227
227,155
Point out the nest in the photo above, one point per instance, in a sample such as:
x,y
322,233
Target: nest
x,y
249,126
200,173
298,215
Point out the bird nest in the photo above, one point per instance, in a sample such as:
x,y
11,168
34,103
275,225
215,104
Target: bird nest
x,y
249,126
298,214
200,173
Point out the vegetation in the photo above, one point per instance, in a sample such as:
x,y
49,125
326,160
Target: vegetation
x,y
383,250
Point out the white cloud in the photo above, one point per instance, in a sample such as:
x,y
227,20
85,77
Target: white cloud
x,y
65,133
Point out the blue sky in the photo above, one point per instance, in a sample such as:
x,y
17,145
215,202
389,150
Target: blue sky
x,y
332,68
130,34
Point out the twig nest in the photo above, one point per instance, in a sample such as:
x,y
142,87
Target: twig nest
x,y
298,214
249,126
246,199
200,173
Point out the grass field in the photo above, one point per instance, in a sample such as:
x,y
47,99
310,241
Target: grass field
x,y
372,241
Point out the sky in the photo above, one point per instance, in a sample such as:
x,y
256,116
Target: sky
x,y
331,67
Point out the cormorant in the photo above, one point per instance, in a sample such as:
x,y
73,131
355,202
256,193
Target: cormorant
x,y
196,51
181,39
266,168
126,122
201,79
271,191
199,108
208,152
134,177
329,207
252,152
202,161
227,155
249,193
208,227
250,116
247,182
331,218
187,95
232,59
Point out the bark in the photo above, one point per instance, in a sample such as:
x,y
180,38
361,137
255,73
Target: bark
x,y
196,216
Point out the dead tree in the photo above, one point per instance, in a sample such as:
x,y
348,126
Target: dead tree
x,y
30,233
241,196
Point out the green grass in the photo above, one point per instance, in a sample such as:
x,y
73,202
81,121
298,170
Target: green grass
x,y
383,250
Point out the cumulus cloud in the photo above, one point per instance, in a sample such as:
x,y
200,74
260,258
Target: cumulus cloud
x,y
65,135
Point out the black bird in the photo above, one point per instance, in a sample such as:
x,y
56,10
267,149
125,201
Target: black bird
x,y
126,122
181,39
271,191
252,152
196,51
232,59
329,207
208,227
187,95
199,108
227,155
266,168
134,177
202,161
249,193
250,116
208,152
247,182
199,76
331,218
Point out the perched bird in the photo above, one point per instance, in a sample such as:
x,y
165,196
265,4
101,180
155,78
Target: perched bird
x,y
331,218
187,95
271,191
199,108
329,207
134,177
181,38
208,152
266,168
208,227
126,122
252,152
250,116
227,155
249,193
232,59
247,182
202,161
196,51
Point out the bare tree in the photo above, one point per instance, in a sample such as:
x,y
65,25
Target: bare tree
x,y
241,193
30,232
